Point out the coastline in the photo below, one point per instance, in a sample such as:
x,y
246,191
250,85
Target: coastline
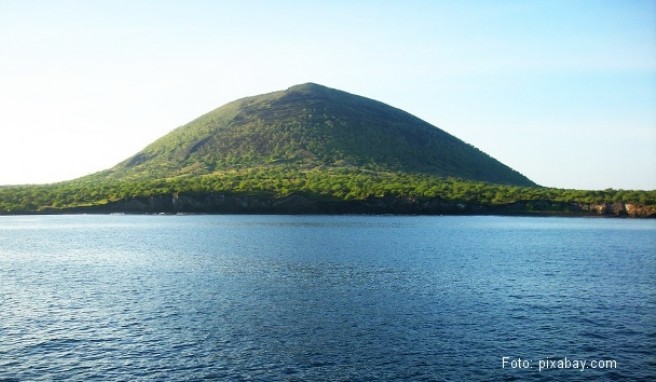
x,y
303,204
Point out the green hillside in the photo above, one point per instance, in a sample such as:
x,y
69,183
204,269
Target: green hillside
x,y
312,149
310,126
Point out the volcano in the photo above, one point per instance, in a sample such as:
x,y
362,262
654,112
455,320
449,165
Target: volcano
x,y
312,126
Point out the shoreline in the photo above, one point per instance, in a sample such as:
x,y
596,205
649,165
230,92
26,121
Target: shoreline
x,y
299,204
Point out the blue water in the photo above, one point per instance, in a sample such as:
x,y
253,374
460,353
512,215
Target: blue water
x,y
324,298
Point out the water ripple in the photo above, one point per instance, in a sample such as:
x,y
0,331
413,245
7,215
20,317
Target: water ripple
x,y
262,298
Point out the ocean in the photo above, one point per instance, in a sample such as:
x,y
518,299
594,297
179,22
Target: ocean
x,y
326,298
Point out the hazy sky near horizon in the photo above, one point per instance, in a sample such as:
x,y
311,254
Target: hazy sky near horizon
x,y
562,91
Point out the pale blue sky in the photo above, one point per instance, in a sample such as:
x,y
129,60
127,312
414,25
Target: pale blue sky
x,y
562,91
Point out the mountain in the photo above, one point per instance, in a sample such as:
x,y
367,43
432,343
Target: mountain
x,y
312,126
313,149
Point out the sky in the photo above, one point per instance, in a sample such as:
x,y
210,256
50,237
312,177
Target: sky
x,y
562,91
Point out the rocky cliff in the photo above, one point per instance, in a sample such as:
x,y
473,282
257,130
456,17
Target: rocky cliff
x,y
306,204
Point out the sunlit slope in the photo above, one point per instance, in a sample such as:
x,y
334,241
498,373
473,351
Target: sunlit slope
x,y
311,126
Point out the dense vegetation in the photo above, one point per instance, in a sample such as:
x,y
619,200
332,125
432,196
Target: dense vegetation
x,y
276,182
322,144
309,126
